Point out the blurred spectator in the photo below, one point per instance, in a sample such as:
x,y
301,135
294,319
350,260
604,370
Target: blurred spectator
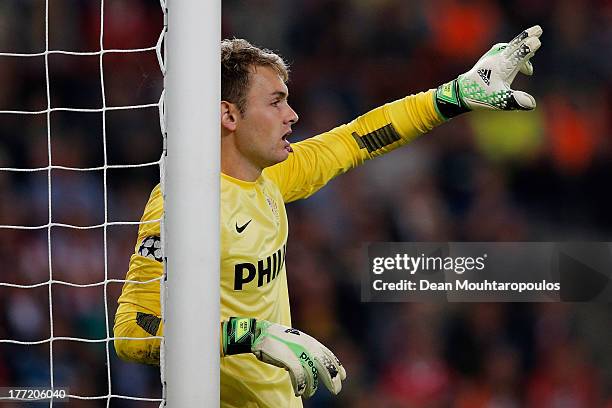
x,y
527,176
564,378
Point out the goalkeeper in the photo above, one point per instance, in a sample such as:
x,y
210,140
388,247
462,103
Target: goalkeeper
x,y
261,171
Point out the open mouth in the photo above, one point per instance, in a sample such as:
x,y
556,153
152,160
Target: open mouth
x,y
287,143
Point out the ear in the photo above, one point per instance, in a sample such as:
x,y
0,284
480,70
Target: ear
x,y
229,114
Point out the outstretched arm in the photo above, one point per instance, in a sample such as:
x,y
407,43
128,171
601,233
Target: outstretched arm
x,y
317,160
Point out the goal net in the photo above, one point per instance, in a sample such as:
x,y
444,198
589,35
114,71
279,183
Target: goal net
x,y
81,110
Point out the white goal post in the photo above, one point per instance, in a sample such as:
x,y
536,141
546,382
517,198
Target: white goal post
x,y
190,355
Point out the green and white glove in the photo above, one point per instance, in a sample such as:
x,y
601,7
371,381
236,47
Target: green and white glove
x,y
487,84
302,356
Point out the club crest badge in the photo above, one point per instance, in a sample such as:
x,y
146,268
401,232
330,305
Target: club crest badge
x,y
274,207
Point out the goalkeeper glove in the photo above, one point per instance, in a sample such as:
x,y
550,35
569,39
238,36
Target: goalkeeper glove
x,y
487,84
301,355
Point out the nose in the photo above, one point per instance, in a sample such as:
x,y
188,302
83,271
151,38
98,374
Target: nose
x,y
293,116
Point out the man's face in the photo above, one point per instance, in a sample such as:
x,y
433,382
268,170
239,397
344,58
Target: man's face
x,y
261,133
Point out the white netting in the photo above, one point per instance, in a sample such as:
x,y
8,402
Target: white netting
x,y
13,290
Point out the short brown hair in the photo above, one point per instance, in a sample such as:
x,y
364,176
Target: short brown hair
x,y
238,58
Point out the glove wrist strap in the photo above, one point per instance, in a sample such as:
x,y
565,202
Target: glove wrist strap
x,y
238,335
448,100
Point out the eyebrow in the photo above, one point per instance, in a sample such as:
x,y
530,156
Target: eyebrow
x,y
279,94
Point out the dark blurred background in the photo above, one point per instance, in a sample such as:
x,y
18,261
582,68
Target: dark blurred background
x,y
82,140
537,176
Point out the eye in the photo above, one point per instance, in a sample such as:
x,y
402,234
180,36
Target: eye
x,y
275,103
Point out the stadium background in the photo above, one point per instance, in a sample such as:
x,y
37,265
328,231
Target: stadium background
x,y
540,176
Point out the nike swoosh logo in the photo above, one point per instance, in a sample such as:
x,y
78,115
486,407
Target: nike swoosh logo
x,y
242,228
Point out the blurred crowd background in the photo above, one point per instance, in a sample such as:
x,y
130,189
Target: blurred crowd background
x,y
537,176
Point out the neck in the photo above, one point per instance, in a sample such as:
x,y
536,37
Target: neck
x,y
235,165
240,172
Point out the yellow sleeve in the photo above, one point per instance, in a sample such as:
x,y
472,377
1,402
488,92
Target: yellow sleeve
x,y
315,161
153,212
144,297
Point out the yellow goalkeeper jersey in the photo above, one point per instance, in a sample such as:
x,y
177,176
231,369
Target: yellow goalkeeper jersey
x,y
254,231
